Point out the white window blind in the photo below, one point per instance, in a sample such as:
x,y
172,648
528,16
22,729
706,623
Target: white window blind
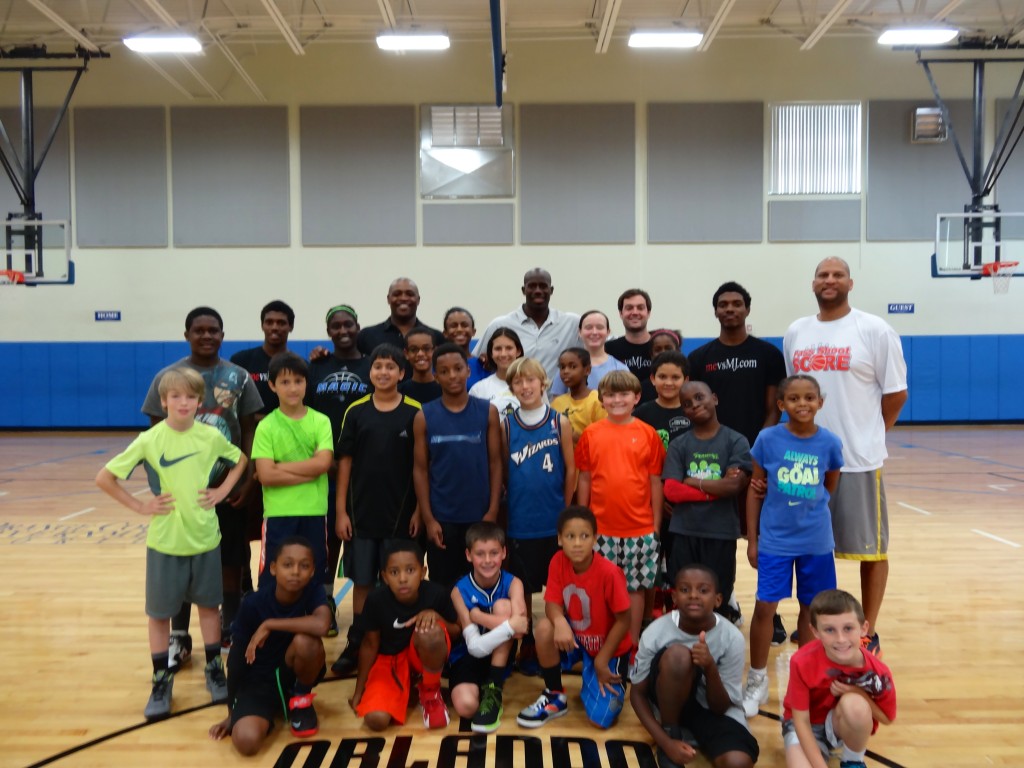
x,y
816,149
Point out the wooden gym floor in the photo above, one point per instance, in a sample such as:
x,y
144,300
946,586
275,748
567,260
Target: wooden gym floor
x,y
74,664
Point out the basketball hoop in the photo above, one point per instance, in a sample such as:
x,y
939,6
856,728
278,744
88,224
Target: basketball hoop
x,y
11,277
1001,273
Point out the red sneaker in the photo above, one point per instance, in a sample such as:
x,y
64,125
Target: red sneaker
x,y
435,713
302,717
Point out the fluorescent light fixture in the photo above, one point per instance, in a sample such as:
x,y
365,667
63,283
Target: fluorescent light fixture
x,y
917,36
665,39
163,44
412,42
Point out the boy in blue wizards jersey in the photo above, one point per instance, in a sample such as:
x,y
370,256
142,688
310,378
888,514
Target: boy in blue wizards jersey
x,y
183,554
540,477
793,528
491,610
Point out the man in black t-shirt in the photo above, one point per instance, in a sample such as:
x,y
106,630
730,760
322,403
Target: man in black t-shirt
x,y
744,372
277,320
633,348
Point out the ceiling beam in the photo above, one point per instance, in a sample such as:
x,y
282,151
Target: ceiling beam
x,y
199,78
161,13
716,24
951,6
52,15
611,15
282,25
387,13
167,76
234,62
826,24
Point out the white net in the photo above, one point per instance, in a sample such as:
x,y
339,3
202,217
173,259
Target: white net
x,y
1002,275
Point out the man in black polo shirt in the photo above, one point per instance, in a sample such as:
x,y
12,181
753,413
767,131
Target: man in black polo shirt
x,y
403,299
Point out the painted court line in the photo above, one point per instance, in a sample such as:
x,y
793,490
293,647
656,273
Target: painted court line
x,y
76,514
915,509
140,492
995,538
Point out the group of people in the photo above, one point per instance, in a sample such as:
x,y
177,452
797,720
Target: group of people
x,y
546,460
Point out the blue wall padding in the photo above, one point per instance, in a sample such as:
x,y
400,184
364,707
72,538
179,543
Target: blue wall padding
x,y
67,385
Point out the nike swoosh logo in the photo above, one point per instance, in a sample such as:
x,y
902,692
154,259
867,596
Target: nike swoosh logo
x,y
399,624
165,462
296,725
794,503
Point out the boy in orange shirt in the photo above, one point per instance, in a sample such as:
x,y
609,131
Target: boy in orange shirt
x,y
620,459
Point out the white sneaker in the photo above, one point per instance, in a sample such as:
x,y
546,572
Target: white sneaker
x,y
754,695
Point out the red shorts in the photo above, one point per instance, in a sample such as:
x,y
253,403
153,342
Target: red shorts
x,y
390,680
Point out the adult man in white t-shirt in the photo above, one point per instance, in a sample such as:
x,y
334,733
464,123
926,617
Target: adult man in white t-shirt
x,y
857,359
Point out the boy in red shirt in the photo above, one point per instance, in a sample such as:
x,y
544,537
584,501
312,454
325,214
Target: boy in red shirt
x,y
838,692
619,459
586,609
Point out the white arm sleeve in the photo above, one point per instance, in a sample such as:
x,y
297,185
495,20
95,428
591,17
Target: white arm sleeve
x,y
482,646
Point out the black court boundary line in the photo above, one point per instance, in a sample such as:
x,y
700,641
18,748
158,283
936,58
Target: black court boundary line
x,y
877,758
144,724
462,727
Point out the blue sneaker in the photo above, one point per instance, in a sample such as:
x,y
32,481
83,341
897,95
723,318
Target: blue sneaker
x,y
547,707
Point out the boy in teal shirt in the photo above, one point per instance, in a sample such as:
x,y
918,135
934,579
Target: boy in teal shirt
x,y
293,450
183,541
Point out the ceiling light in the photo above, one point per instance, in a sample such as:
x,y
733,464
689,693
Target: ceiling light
x,y
917,36
163,44
412,42
665,39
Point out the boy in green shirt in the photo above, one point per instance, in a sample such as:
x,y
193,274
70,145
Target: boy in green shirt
x,y
293,450
183,541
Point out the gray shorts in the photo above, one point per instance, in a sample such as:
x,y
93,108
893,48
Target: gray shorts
x,y
860,517
824,734
174,579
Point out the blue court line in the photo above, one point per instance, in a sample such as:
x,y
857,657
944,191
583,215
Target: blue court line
x,y
343,591
57,460
959,455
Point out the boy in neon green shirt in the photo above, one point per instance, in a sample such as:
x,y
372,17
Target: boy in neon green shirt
x,y
293,450
183,541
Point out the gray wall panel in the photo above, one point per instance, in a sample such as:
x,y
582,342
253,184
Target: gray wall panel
x,y
796,221
705,172
578,173
230,176
358,175
53,186
468,224
121,177
908,184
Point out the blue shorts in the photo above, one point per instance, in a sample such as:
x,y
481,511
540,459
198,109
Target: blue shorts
x,y
602,708
814,573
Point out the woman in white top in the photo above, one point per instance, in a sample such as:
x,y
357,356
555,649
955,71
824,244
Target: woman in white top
x,y
593,334
503,347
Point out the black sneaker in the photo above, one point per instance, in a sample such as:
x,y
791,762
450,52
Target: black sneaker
x,y
347,664
216,682
778,631
302,717
675,733
159,704
488,716
794,636
333,631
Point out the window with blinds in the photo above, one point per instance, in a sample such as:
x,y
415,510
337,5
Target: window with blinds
x,y
816,149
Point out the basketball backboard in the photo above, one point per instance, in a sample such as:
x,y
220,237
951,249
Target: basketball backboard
x,y
964,242
39,249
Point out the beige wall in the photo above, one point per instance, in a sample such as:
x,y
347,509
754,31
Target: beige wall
x,y
154,288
